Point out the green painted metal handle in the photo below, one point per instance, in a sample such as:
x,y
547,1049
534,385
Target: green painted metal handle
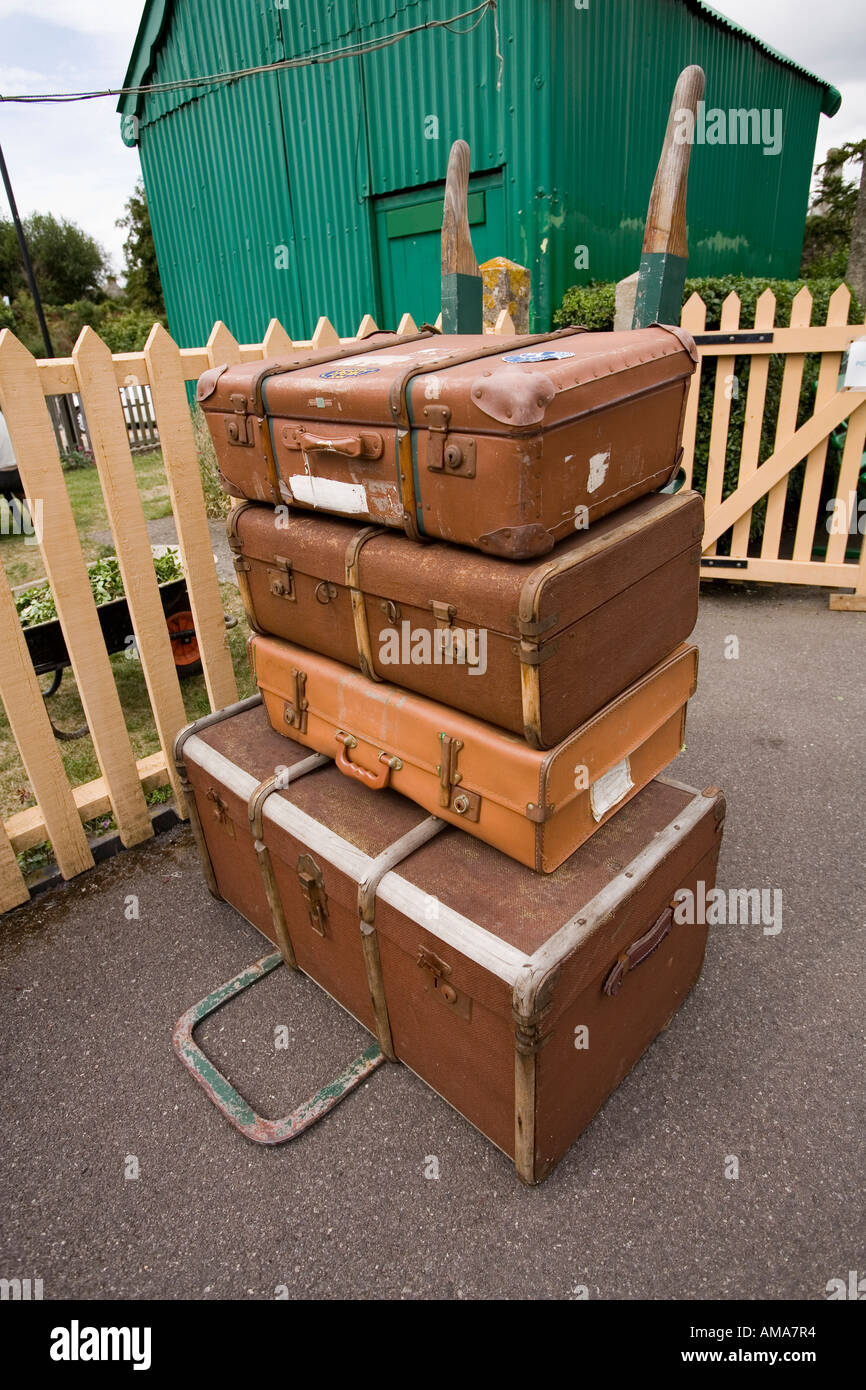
x,y
224,1095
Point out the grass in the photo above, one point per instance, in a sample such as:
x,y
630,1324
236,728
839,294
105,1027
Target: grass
x,y
23,564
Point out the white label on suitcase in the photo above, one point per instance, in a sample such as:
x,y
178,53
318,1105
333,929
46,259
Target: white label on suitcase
x,y
598,466
610,789
331,496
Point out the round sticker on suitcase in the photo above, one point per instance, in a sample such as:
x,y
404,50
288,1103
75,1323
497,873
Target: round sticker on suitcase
x,y
535,356
340,373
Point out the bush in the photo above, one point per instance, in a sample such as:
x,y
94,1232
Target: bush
x,y
74,459
592,306
126,330
589,306
217,502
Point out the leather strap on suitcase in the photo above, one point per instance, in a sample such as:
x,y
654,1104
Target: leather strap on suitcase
x,y
437,415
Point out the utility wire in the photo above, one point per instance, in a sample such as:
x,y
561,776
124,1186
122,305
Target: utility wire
x,y
356,50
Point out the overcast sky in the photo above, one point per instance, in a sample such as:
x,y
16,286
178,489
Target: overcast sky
x,y
70,160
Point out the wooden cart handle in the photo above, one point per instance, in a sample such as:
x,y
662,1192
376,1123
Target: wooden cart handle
x,y
367,445
638,951
374,780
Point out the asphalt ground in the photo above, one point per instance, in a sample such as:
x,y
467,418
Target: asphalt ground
x,y
764,1064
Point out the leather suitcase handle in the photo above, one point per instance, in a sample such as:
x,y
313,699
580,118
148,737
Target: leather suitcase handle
x,y
367,445
374,780
638,951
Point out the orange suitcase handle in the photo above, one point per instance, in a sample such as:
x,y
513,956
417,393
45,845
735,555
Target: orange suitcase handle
x,y
374,780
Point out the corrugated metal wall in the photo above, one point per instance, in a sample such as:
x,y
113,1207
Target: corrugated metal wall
x,y
302,160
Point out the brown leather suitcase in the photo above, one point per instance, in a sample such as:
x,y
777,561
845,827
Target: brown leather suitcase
x,y
536,647
536,807
503,445
524,1001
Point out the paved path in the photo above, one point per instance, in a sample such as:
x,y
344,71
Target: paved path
x,y
764,1062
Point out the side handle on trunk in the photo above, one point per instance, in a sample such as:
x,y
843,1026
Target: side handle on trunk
x,y
638,951
374,780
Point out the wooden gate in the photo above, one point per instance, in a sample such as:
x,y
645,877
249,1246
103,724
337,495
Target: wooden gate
x,y
784,554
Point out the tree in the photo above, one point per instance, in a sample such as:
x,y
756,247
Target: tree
x,y
69,265
143,285
11,272
831,214
857,254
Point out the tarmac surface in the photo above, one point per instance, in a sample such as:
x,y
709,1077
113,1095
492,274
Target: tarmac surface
x,y
763,1064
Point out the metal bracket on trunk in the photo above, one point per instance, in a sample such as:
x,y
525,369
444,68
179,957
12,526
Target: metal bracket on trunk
x,y
313,889
442,457
239,427
437,972
295,710
531,655
444,613
281,580
461,802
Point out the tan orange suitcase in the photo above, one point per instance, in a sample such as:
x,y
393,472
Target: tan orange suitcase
x,y
524,1001
537,807
502,445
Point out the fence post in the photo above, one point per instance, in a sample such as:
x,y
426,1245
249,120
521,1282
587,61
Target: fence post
x,y
24,408
786,423
13,889
276,342
828,378
180,458
94,369
29,722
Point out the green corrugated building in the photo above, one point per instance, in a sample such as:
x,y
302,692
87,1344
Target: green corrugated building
x,y
317,189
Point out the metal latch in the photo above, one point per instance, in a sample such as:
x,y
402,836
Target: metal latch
x,y
391,610
239,426
444,456
451,796
313,889
295,710
444,613
281,580
436,973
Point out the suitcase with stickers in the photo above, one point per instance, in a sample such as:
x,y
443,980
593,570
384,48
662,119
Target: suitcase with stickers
x,y
502,445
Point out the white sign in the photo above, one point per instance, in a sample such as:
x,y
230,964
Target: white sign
x,y
855,372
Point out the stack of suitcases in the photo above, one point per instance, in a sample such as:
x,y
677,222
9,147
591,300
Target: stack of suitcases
x,y
470,603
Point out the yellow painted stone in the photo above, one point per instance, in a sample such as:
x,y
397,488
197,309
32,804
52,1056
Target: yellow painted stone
x,y
506,286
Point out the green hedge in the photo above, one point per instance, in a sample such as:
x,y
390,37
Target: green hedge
x,y
592,306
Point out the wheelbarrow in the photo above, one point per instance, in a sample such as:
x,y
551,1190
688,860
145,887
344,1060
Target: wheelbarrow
x,y
48,652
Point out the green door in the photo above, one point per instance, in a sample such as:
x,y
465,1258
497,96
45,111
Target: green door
x,y
408,237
